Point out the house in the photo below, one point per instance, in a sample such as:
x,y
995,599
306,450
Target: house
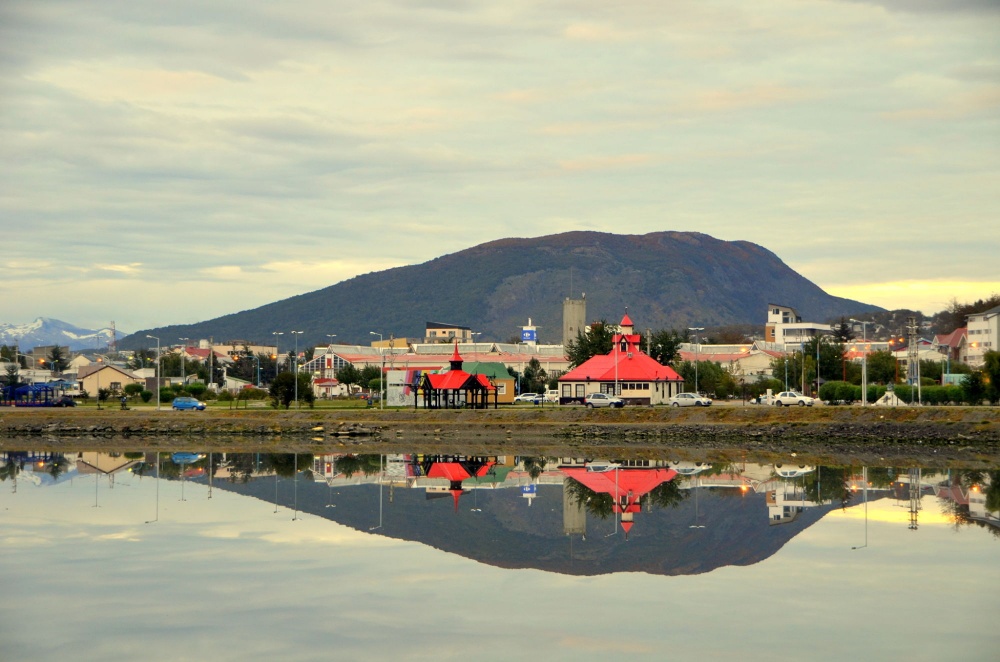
x,y
625,371
952,345
101,376
455,388
785,326
447,333
740,361
983,335
498,375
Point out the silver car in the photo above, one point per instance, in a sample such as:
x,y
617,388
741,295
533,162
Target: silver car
x,y
689,400
789,398
603,400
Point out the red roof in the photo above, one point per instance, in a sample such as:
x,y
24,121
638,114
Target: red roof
x,y
633,366
628,483
953,339
456,379
626,321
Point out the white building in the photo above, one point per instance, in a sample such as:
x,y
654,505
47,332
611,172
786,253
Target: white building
x,y
785,327
983,335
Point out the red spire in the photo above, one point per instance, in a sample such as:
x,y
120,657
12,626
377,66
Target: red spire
x,y
626,321
455,494
455,356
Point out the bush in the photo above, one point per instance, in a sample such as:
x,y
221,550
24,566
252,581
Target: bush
x,y
196,389
146,395
225,396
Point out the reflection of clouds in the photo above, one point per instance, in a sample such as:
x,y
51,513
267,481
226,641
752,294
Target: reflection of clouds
x,y
230,579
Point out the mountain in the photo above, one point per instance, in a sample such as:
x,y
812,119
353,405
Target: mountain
x,y
665,279
44,331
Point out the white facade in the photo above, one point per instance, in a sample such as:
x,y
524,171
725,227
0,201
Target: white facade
x,y
983,335
785,327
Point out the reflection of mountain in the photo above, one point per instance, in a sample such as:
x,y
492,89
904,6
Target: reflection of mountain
x,y
510,534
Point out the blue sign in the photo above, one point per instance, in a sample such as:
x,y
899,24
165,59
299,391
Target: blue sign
x,y
528,335
531,489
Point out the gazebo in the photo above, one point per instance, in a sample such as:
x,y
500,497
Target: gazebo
x,y
455,388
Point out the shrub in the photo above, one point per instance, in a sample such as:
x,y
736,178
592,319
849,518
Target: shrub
x,y
146,395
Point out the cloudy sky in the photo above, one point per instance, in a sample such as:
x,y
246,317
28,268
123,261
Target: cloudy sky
x,y
173,162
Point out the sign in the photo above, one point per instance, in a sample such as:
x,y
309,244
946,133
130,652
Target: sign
x,y
529,335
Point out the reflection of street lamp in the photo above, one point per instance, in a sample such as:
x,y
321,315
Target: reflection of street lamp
x,y
381,475
157,518
697,485
697,346
157,370
295,370
864,477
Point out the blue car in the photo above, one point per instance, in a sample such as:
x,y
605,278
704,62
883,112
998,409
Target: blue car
x,y
187,403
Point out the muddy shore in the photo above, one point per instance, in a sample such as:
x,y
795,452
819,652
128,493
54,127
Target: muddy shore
x,y
942,435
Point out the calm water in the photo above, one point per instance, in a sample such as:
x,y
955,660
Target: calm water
x,y
301,557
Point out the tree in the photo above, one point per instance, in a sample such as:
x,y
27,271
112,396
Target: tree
x,y
991,371
974,388
595,340
665,344
282,390
882,367
133,389
56,359
534,377
843,332
349,376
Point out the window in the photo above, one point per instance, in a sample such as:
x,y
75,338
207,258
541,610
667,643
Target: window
x,y
502,389
567,390
581,390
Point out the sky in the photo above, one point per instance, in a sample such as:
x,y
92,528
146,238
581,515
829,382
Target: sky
x,y
169,163
216,579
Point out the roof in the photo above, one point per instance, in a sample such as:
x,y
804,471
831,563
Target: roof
x,y
440,325
491,369
458,379
633,366
953,339
626,321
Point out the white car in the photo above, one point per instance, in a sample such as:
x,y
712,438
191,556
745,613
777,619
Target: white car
x,y
533,398
552,395
603,400
689,400
789,398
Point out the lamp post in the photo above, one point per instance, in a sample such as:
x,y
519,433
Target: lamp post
x,y
295,370
381,377
183,354
697,348
157,370
864,360
257,359
277,351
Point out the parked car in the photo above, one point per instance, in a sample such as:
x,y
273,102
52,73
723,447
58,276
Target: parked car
x,y
603,400
528,397
552,395
184,402
64,401
689,400
789,398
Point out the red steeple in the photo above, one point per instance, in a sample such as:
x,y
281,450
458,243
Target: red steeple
x,y
456,359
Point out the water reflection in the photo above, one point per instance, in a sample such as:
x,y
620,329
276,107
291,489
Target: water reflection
x,y
658,555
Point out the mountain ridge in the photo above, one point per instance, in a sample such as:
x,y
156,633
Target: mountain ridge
x,y
666,279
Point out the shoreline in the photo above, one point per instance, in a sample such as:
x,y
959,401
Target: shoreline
x,y
823,433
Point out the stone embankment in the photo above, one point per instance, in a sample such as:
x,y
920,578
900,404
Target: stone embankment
x,y
952,432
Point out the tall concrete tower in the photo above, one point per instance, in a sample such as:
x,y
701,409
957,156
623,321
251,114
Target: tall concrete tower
x,y
574,318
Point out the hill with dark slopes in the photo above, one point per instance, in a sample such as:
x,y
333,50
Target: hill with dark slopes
x,y
666,279
507,533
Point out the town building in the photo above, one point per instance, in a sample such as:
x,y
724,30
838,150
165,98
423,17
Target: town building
x,y
626,371
447,333
983,335
785,326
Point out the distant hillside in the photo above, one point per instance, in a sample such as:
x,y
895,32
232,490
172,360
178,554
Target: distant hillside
x,y
666,279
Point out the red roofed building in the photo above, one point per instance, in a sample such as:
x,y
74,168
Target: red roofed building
x,y
626,486
626,371
456,470
455,388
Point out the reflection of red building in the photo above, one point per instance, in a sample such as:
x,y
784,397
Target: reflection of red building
x,y
625,486
455,470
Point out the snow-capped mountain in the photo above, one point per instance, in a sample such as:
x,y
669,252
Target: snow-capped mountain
x,y
46,331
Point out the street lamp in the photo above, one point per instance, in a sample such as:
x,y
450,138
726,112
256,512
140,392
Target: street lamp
x,y
381,395
697,347
277,351
295,370
864,360
257,359
183,354
157,370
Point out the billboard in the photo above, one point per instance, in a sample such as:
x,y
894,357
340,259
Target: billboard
x,y
529,335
